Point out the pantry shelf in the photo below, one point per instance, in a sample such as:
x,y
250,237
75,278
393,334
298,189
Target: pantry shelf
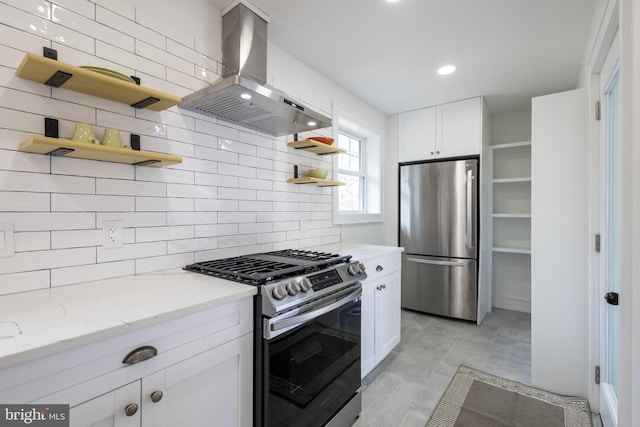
x,y
82,150
58,74
315,147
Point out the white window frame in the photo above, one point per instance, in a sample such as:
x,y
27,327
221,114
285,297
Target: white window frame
x,y
372,168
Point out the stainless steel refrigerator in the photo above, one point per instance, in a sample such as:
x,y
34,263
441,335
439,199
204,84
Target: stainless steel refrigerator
x,y
439,232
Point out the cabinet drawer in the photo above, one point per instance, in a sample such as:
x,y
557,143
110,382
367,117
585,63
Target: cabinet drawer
x,y
41,377
382,265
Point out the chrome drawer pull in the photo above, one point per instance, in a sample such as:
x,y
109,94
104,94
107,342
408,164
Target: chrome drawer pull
x,y
140,354
131,409
379,268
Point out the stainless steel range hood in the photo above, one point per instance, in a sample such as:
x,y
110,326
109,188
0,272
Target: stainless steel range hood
x,y
242,95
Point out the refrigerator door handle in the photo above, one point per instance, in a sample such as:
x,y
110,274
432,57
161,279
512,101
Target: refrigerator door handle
x,y
469,209
458,263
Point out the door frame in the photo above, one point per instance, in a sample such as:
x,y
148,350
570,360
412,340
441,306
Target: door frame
x,y
617,15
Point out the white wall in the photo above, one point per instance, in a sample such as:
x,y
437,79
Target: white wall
x,y
228,197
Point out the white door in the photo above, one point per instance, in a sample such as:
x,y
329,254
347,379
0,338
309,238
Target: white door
x,y
611,205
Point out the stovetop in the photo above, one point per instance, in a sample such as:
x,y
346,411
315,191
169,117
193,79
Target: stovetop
x,y
259,269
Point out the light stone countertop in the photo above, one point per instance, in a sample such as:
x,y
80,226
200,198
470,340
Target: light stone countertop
x,y
39,323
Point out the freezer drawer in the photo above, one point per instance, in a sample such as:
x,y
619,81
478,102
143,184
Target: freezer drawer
x,y
444,286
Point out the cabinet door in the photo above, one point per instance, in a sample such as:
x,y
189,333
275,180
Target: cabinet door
x,y
387,321
367,340
212,388
108,410
416,135
459,128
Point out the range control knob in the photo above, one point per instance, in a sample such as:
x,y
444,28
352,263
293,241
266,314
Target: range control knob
x,y
292,288
354,269
279,292
305,286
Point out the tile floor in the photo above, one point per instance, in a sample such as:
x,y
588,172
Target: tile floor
x,y
405,388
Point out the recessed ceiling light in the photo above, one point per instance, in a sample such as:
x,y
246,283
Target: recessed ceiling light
x,y
245,96
311,123
392,1
447,69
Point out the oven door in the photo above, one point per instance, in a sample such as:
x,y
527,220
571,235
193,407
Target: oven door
x,y
312,362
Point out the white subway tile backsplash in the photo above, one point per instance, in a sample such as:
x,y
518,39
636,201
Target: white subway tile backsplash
x,y
87,273
154,234
38,260
236,194
24,202
130,188
211,230
76,239
68,18
216,180
164,204
133,219
216,155
228,197
91,203
32,241
191,245
145,265
193,191
216,205
236,217
131,251
22,282
191,218
80,167
161,56
168,175
42,221
128,26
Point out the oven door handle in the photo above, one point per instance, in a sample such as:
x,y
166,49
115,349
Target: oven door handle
x,y
301,318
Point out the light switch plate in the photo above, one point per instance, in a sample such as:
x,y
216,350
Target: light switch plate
x,y
6,239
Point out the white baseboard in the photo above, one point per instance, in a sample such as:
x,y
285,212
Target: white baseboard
x,y
514,304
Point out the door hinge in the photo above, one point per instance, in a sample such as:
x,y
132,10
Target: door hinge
x,y
597,110
597,374
597,243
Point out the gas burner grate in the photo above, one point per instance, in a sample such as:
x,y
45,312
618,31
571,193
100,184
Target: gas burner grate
x,y
305,255
258,269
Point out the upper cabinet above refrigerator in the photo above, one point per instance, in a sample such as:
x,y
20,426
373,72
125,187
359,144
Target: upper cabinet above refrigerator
x,y
447,130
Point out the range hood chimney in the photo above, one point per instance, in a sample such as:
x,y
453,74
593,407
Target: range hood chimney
x,y
242,96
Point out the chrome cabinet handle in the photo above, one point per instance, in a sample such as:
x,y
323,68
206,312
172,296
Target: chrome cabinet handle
x,y
379,268
381,287
140,354
156,396
131,409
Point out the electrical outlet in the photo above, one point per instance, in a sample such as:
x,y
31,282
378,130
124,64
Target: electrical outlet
x,y
6,239
112,234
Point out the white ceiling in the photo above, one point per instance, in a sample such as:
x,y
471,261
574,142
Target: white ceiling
x,y
388,53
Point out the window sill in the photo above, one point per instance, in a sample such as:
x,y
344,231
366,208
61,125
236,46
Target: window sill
x,y
356,218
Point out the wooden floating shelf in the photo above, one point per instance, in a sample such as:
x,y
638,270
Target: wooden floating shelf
x,y
53,73
315,181
315,147
82,150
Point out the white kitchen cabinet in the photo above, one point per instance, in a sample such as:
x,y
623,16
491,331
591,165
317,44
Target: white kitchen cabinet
x,y
447,130
417,134
108,410
380,310
459,128
210,386
203,371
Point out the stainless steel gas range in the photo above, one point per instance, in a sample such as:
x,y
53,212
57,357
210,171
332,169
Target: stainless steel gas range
x,y
307,334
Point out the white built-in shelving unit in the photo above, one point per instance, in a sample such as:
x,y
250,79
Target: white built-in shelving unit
x,y
511,224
